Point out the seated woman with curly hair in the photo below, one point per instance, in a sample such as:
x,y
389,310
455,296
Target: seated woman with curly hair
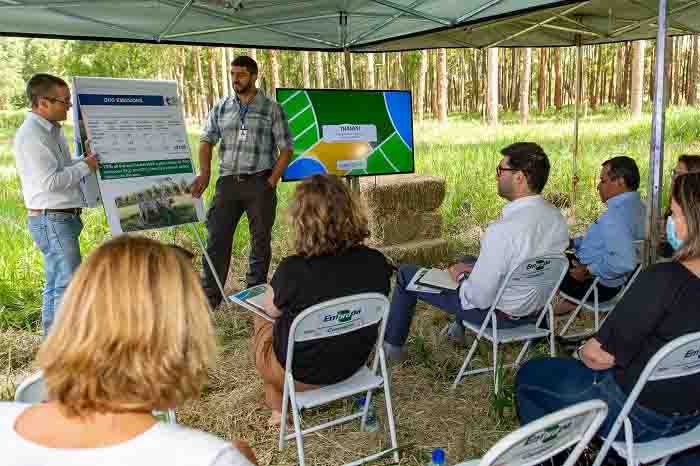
x,y
133,335
331,261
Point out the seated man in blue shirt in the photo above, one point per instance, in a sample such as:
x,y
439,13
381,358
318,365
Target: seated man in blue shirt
x,y
607,250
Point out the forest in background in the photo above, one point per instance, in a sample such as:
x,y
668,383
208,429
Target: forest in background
x,y
442,81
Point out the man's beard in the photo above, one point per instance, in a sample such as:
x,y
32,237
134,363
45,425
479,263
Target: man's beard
x,y
243,89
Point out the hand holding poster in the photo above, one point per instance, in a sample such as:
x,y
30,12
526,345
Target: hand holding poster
x,y
137,130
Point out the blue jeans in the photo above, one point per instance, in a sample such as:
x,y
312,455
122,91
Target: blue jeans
x,y
546,385
403,307
56,235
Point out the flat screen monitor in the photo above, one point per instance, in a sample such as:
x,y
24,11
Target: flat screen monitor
x,y
348,132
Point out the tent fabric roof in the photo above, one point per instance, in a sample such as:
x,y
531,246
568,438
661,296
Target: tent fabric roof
x,y
358,25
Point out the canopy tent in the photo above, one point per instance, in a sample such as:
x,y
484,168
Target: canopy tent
x,y
375,25
354,25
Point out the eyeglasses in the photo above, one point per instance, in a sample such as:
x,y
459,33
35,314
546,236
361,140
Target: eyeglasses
x,y
500,169
56,99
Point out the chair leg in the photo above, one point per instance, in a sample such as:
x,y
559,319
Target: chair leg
x,y
571,319
552,346
495,366
389,409
365,410
466,362
283,421
299,435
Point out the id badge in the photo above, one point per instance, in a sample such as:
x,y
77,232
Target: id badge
x,y
242,135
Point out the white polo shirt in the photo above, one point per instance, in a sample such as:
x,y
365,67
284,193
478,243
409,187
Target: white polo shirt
x,y
528,227
50,178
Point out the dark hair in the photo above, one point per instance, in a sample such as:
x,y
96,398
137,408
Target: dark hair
x,y
692,162
686,192
40,85
247,62
623,167
529,158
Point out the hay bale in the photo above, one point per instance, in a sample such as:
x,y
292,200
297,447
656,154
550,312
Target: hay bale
x,y
389,195
422,252
395,229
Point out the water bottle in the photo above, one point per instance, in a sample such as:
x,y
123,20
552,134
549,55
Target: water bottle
x,y
438,457
371,424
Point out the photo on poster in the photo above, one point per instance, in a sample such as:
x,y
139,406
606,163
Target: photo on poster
x,y
152,202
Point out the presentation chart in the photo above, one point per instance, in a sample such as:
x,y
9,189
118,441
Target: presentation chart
x,y
137,130
348,132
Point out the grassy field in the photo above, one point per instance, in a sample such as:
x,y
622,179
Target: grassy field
x,y
465,152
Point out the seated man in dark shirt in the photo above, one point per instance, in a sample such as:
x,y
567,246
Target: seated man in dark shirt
x,y
660,306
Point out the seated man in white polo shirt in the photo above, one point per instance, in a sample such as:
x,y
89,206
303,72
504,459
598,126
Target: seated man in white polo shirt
x,y
529,227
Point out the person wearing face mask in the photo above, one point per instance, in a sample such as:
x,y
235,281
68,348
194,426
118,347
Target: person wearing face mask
x,y
686,164
660,306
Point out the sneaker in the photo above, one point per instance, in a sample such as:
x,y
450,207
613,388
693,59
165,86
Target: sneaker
x,y
455,333
394,354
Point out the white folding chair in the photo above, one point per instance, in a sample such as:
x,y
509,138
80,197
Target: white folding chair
x,y
678,358
33,390
544,438
540,277
326,320
597,307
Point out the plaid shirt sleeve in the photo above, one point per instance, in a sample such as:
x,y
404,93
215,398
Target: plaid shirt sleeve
x,y
211,132
280,128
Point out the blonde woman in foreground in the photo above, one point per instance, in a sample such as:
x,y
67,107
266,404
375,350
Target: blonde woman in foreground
x,y
133,335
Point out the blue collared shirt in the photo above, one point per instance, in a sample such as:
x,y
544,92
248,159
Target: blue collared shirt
x,y
608,247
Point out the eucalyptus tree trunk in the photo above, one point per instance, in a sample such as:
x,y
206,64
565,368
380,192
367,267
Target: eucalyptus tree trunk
x,y
442,85
201,90
637,94
541,90
213,82
225,77
319,70
370,71
525,85
694,73
420,104
557,79
305,69
274,72
492,95
668,71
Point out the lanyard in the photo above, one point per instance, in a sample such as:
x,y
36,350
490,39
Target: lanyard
x,y
242,111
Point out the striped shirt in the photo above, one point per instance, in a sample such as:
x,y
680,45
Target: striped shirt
x,y
267,130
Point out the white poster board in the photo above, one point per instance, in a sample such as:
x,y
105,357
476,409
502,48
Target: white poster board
x,y
137,129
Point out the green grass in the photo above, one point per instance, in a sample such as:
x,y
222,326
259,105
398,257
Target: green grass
x,y
465,152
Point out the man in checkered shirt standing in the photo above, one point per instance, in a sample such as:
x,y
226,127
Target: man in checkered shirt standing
x,y
255,146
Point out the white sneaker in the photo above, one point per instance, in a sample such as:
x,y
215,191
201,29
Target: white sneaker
x,y
455,333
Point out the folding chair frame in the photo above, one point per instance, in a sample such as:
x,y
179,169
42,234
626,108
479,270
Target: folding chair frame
x,y
33,390
688,347
548,436
607,306
378,364
493,335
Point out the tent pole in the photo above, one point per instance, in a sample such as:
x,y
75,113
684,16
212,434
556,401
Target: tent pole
x,y
656,150
577,113
353,181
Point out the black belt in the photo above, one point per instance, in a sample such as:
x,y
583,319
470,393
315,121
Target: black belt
x,y
247,176
72,210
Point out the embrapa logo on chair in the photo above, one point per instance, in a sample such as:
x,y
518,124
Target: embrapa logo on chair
x,y
538,265
341,316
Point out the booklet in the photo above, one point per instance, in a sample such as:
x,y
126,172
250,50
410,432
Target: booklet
x,y
438,278
252,299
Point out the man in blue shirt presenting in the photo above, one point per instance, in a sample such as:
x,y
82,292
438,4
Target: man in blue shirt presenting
x,y
607,250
